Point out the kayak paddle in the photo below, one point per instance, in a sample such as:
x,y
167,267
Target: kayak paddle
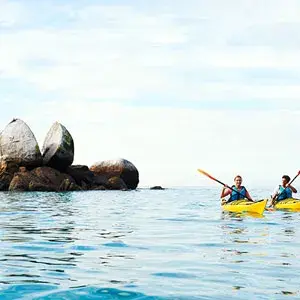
x,y
209,176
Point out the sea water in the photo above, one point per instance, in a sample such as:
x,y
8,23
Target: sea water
x,y
144,244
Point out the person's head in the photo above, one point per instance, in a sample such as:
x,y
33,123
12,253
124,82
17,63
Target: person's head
x,y
238,180
285,180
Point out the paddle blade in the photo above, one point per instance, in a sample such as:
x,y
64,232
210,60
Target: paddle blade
x,y
206,174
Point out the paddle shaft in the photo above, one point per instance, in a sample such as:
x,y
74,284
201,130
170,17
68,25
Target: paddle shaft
x,y
209,176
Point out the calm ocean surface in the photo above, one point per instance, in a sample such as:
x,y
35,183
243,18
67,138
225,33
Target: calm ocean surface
x,y
171,244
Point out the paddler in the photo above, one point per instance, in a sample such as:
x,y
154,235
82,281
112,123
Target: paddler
x,y
238,191
283,191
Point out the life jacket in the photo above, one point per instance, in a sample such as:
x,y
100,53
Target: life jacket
x,y
237,194
284,193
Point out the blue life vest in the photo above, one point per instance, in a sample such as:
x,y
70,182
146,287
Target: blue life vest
x,y
284,193
236,194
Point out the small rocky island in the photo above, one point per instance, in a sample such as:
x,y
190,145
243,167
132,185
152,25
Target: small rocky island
x,y
24,167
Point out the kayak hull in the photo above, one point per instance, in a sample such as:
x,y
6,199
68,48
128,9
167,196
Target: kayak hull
x,y
290,204
245,205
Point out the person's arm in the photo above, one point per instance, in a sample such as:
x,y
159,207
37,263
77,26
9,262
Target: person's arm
x,y
248,195
225,192
292,188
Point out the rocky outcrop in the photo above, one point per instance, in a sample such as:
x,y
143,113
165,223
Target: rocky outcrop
x,y
100,180
24,168
82,176
58,148
88,181
157,187
121,168
7,171
18,146
44,179
116,183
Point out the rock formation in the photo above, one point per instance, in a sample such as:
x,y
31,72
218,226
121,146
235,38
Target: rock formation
x,y
121,168
44,179
24,168
157,187
58,148
82,175
19,146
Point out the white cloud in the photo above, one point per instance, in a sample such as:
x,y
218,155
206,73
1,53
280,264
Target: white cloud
x,y
81,68
124,53
10,13
84,64
278,34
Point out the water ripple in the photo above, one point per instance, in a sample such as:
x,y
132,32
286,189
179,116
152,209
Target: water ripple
x,y
144,245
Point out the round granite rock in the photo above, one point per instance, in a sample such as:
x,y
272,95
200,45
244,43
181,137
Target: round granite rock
x,y
18,145
121,168
58,148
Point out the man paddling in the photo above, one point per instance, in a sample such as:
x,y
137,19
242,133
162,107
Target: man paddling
x,y
236,192
283,191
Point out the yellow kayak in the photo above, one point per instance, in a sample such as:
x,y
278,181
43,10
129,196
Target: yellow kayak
x,y
245,205
289,203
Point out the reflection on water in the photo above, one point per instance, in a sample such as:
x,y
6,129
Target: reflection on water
x,y
240,215
176,244
43,239
263,248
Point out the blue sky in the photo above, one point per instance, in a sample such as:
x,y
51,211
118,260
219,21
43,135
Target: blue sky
x,y
170,85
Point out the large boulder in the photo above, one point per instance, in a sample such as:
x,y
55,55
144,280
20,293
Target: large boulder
x,y
44,179
18,145
58,148
121,168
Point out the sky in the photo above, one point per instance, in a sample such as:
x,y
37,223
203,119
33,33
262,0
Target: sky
x,y
170,85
